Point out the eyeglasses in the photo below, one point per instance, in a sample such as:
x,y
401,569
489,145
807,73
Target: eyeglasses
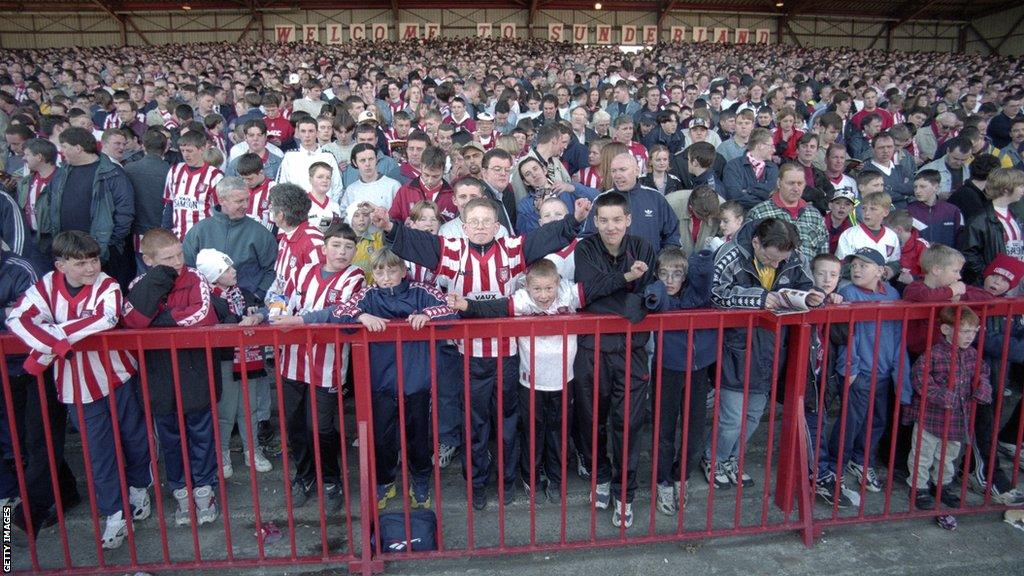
x,y
475,223
666,276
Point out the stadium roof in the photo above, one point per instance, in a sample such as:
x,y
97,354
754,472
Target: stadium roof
x,y
894,10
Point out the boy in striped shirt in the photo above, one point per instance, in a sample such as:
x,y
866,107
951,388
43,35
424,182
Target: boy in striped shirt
x,y
67,305
250,169
189,193
482,267
318,286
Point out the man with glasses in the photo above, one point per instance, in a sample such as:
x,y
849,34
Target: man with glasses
x,y
931,136
497,174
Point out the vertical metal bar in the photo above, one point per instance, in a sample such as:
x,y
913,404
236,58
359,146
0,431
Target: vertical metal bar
x,y
254,490
154,455
221,484
183,434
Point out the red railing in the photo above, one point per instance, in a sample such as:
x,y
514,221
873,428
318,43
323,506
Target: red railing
x,y
781,457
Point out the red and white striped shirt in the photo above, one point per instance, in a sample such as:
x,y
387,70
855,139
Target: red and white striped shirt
x,y
589,176
170,122
295,250
34,188
467,272
640,153
316,364
191,192
259,202
50,320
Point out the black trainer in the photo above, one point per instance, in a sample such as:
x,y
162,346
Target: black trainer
x,y
924,499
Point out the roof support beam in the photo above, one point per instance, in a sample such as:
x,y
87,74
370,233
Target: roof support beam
x,y
531,17
123,22
663,13
394,13
1010,31
904,18
992,49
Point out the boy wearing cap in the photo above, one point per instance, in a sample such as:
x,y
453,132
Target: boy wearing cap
x,y
869,376
218,269
839,219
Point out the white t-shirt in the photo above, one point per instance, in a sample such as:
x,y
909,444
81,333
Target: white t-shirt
x,y
857,237
547,353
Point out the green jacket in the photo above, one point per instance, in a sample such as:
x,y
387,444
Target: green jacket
x,y
112,209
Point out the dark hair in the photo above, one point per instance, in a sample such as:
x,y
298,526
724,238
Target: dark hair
x,y
359,148
932,176
433,157
495,153
339,229
43,147
193,138
703,153
611,199
79,137
982,166
155,142
778,234
255,123
248,164
74,245
548,132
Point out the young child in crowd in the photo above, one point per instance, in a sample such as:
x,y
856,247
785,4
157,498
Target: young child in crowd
x,y
912,247
685,378
323,210
869,377
541,366
310,371
731,218
170,294
945,386
218,269
839,219
394,297
484,267
938,220
250,169
369,240
872,233
826,270
65,306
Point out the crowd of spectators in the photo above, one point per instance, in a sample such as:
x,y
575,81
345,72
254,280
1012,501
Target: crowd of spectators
x,y
192,185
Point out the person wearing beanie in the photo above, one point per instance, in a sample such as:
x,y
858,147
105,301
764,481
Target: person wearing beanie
x,y
218,269
1002,277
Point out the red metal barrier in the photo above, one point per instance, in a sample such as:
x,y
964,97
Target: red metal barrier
x,y
781,456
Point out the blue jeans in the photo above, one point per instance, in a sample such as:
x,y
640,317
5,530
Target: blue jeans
x,y
730,421
853,437
99,432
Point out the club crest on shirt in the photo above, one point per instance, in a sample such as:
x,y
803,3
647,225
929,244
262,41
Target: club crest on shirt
x,y
503,274
889,250
333,295
293,261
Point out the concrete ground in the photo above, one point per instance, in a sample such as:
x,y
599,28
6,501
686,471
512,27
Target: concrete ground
x,y
982,544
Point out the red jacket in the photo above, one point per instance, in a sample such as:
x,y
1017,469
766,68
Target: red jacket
x,y
917,330
910,254
787,148
413,192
